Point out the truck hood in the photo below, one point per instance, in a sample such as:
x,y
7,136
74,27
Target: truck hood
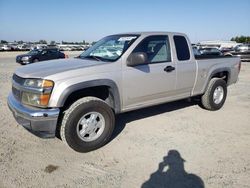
x,y
47,68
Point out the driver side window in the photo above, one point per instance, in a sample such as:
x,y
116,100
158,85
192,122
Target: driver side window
x,y
157,48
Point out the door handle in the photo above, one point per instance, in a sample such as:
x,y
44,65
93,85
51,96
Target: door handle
x,y
169,69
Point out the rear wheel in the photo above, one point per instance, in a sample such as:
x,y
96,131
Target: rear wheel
x,y
87,124
215,95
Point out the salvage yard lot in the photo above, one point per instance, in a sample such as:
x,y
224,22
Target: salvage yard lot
x,y
214,145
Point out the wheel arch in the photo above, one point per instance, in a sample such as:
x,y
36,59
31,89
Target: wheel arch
x,y
94,85
224,73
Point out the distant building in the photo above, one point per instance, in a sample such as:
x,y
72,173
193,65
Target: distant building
x,y
218,44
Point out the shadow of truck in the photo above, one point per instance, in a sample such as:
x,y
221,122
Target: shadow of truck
x,y
123,119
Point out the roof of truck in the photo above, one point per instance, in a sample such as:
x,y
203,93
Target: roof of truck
x,y
152,33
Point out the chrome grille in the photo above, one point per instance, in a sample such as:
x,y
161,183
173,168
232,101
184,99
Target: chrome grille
x,y
16,93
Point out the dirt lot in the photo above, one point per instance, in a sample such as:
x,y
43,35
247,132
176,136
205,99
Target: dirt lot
x,y
214,145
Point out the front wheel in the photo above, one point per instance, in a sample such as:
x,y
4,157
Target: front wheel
x,y
87,124
215,95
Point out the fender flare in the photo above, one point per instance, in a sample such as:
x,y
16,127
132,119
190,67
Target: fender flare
x,y
215,72
93,83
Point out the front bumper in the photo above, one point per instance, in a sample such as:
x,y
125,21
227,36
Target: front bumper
x,y
41,122
23,62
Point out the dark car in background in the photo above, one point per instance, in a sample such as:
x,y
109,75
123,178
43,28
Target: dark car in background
x,y
225,49
210,51
207,52
39,55
242,51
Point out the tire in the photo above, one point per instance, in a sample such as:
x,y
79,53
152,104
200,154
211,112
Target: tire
x,y
35,61
209,99
82,110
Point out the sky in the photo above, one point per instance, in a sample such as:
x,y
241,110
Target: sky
x,y
77,20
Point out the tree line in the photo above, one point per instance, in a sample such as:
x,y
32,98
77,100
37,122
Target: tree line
x,y
241,39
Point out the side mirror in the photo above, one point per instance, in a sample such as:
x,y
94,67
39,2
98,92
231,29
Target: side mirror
x,y
137,58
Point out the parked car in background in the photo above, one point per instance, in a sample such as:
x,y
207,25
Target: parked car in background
x,y
225,50
78,48
24,47
206,52
5,47
196,51
242,51
242,47
210,51
39,55
40,47
14,47
72,47
64,48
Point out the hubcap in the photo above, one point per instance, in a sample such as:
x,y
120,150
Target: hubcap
x,y
90,126
218,95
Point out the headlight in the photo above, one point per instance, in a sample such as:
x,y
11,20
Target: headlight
x,y
25,58
38,83
35,99
37,92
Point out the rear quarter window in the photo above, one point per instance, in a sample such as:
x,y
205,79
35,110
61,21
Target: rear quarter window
x,y
53,51
182,49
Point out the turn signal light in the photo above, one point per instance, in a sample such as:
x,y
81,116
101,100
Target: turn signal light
x,y
44,99
47,83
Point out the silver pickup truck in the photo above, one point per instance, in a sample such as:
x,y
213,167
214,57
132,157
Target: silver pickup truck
x,y
79,97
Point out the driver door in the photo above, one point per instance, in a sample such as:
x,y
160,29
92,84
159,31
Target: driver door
x,y
152,82
44,55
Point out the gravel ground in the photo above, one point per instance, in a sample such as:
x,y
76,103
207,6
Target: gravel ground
x,y
175,144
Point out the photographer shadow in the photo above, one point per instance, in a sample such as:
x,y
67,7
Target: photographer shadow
x,y
171,174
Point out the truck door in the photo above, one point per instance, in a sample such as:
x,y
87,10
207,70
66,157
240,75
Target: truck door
x,y
185,66
151,82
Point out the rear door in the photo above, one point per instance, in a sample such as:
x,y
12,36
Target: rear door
x,y
185,66
152,82
49,54
53,54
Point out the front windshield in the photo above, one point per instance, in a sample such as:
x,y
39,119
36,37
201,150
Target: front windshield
x,y
109,48
34,52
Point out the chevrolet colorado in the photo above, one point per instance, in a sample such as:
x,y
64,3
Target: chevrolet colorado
x,y
79,97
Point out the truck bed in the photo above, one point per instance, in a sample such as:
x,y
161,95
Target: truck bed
x,y
208,65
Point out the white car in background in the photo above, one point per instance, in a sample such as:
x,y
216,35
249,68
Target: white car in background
x,y
5,47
